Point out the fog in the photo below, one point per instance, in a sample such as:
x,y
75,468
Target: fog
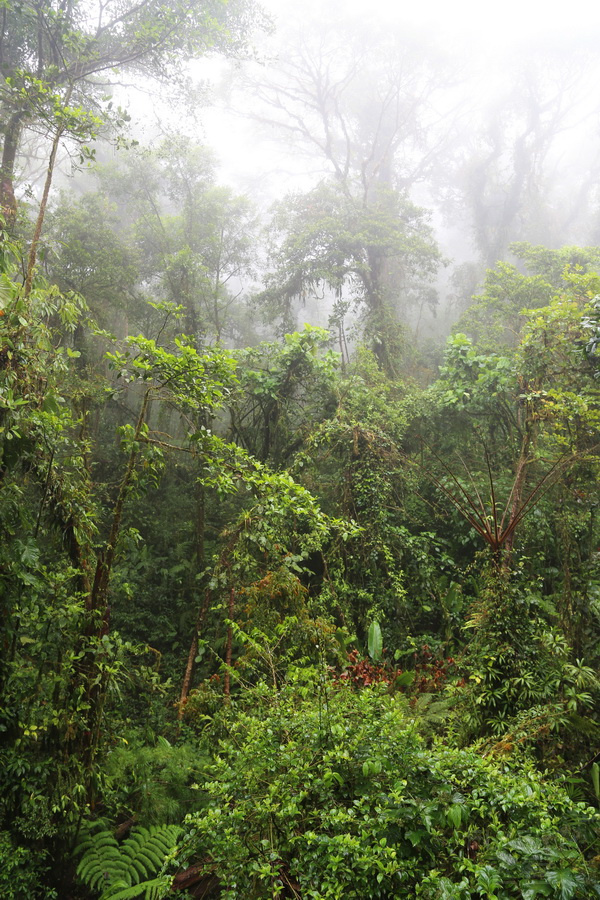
x,y
508,121
451,131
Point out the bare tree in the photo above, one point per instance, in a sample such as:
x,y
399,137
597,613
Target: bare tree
x,y
360,102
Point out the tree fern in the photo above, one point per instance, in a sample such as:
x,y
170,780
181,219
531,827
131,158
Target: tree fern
x,y
126,869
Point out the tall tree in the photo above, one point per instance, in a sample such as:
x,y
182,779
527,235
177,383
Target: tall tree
x,y
379,256
513,168
56,58
357,101
195,236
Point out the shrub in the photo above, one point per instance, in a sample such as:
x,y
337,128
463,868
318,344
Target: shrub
x,y
342,799
22,872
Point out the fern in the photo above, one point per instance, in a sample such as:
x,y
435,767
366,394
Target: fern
x,y
127,869
154,889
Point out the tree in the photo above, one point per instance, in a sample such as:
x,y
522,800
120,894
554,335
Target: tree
x,y
45,443
379,256
195,237
90,253
336,794
50,57
286,389
498,314
516,453
357,101
513,177
56,56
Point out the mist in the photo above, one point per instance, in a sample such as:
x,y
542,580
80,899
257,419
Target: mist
x,y
494,135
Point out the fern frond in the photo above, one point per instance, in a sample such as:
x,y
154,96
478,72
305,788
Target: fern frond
x,y
107,866
101,862
155,889
140,868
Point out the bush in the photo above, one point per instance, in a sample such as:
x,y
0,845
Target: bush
x,y
22,872
342,799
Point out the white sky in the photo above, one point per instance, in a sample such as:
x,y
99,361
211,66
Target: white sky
x,y
475,28
510,20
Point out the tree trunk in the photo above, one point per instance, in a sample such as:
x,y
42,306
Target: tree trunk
x,y
92,673
518,490
189,669
8,203
31,260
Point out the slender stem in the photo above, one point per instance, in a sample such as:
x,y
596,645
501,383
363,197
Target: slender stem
x,y
44,494
31,260
229,647
488,464
106,559
189,669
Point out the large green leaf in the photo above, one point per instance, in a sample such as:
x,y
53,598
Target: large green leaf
x,y
375,641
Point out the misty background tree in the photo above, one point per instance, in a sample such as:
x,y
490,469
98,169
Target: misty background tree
x,y
360,106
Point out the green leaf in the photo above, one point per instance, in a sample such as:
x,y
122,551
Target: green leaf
x,y
30,554
375,640
50,404
415,837
488,880
536,889
564,881
454,815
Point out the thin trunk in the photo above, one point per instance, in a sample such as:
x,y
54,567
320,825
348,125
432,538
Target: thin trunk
x,y
383,319
31,259
106,558
92,673
342,344
216,297
58,499
518,489
2,33
199,529
201,505
229,647
44,494
526,421
189,669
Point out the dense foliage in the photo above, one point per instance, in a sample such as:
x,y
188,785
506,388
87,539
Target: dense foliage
x,y
337,795
287,612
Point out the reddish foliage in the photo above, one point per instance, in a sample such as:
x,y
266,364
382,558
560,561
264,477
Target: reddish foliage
x,y
361,672
431,672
